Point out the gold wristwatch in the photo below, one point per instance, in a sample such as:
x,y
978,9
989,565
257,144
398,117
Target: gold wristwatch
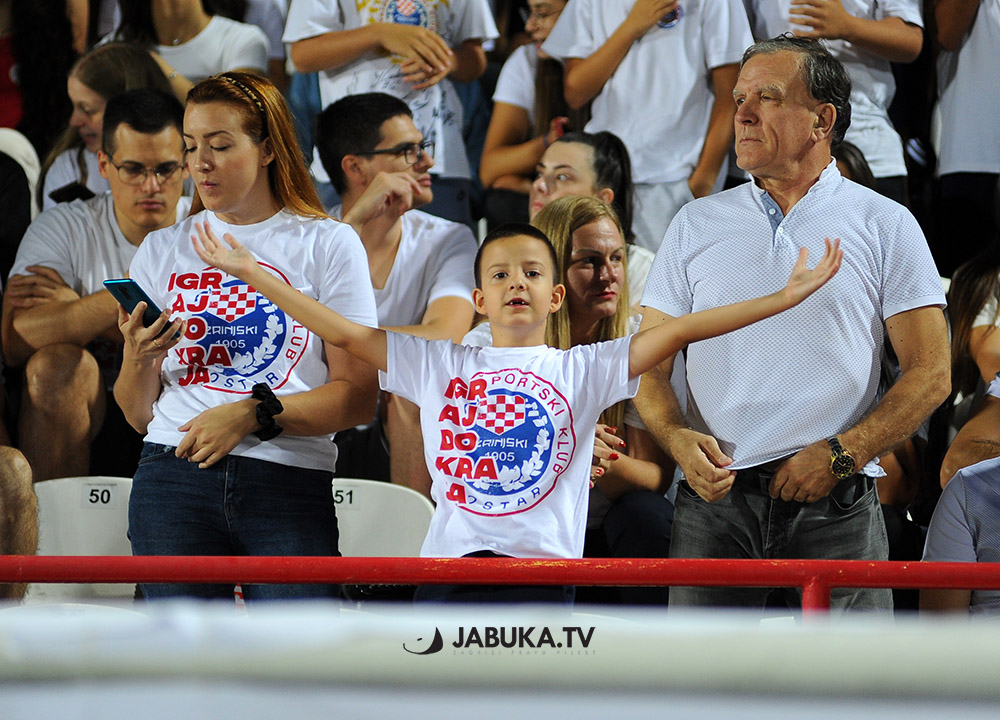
x,y
842,465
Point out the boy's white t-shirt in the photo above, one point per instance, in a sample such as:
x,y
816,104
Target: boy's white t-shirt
x,y
236,337
437,110
508,439
659,98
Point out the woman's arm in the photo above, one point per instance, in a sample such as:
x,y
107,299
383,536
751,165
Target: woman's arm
x,y
347,400
506,149
984,347
943,600
367,344
651,347
178,83
138,384
638,463
977,440
447,318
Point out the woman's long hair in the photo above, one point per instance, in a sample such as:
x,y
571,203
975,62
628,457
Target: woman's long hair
x,y
108,70
264,115
972,285
559,220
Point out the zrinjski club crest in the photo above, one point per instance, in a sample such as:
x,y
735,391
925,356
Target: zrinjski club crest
x,y
235,337
506,438
405,12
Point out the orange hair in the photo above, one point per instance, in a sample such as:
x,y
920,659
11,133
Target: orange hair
x,y
264,114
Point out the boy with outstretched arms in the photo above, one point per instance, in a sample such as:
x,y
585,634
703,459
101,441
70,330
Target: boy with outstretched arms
x,y
508,429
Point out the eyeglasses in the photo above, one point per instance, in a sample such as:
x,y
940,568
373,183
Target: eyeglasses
x,y
411,152
527,15
132,173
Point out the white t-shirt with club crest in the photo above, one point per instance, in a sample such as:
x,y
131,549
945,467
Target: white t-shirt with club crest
x,y
236,337
508,439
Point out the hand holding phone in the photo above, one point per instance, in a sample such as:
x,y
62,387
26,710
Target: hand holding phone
x,y
128,294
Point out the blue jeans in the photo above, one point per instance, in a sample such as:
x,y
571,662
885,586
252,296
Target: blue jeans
x,y
748,523
239,506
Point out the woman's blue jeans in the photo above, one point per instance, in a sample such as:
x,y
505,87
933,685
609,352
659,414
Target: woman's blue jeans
x,y
239,506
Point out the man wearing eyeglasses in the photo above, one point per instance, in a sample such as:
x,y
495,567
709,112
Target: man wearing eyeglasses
x,y
420,264
58,322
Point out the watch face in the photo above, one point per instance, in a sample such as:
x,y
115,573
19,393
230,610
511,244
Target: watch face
x,y
842,466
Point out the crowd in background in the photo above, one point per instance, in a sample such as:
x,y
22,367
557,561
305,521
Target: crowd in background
x,y
510,105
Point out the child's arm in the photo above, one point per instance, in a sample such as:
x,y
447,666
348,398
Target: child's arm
x,y
585,77
651,347
364,343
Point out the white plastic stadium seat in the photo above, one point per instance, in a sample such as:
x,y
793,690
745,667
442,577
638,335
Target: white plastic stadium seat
x,y
82,516
378,519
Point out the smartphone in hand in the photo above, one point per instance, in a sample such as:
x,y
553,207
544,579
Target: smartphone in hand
x,y
128,293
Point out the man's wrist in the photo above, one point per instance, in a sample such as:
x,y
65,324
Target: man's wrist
x,y
842,463
669,435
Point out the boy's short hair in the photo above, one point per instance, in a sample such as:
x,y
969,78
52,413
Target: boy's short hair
x,y
144,110
509,230
353,125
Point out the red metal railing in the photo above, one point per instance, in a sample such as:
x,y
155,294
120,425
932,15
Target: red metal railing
x,y
815,577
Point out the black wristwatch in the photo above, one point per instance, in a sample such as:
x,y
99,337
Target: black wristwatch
x,y
267,408
842,465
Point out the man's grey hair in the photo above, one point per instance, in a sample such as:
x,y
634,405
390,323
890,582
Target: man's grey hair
x,y
825,76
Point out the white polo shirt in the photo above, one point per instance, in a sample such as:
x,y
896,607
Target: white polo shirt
x,y
967,116
659,98
768,390
872,83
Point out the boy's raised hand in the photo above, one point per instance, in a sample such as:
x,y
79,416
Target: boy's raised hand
x,y
803,281
236,260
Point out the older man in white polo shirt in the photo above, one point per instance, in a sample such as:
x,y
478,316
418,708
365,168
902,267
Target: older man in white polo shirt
x,y
865,35
780,445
